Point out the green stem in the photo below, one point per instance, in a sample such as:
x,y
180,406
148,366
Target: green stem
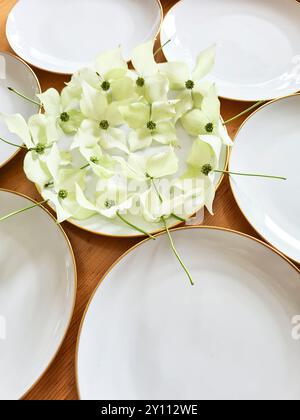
x,y
13,144
49,184
23,210
135,227
156,189
246,174
85,166
176,252
160,49
161,200
32,149
150,112
178,218
24,96
257,104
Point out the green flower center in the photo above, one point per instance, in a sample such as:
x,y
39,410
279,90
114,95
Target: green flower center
x,y
206,169
104,125
209,127
190,84
109,204
94,159
105,86
40,148
140,82
64,117
151,125
63,194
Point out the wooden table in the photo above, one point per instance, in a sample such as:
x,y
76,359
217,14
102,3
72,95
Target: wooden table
x,y
95,254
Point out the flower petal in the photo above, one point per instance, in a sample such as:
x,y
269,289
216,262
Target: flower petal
x,y
35,170
162,164
136,115
140,139
143,59
93,103
166,133
205,63
52,160
177,73
189,196
51,102
163,111
105,168
113,115
184,104
123,89
71,126
83,201
134,167
201,90
224,134
211,105
44,129
67,178
194,122
87,135
206,149
113,138
71,205
17,125
62,214
152,207
156,88
110,60
210,193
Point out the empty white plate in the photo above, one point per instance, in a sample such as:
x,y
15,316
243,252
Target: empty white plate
x,y
258,49
269,143
148,334
37,294
15,73
64,36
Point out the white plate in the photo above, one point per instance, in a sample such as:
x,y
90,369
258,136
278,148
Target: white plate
x,y
15,73
269,143
148,334
107,227
64,36
37,294
258,49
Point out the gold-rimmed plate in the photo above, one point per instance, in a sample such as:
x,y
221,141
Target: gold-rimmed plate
x,y
257,43
15,73
150,335
38,284
268,143
63,36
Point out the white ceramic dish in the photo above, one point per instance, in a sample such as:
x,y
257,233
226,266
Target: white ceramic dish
x,y
37,294
64,36
147,334
114,227
268,142
15,73
258,50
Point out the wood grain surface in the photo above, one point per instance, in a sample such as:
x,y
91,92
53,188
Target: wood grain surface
x,y
95,254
